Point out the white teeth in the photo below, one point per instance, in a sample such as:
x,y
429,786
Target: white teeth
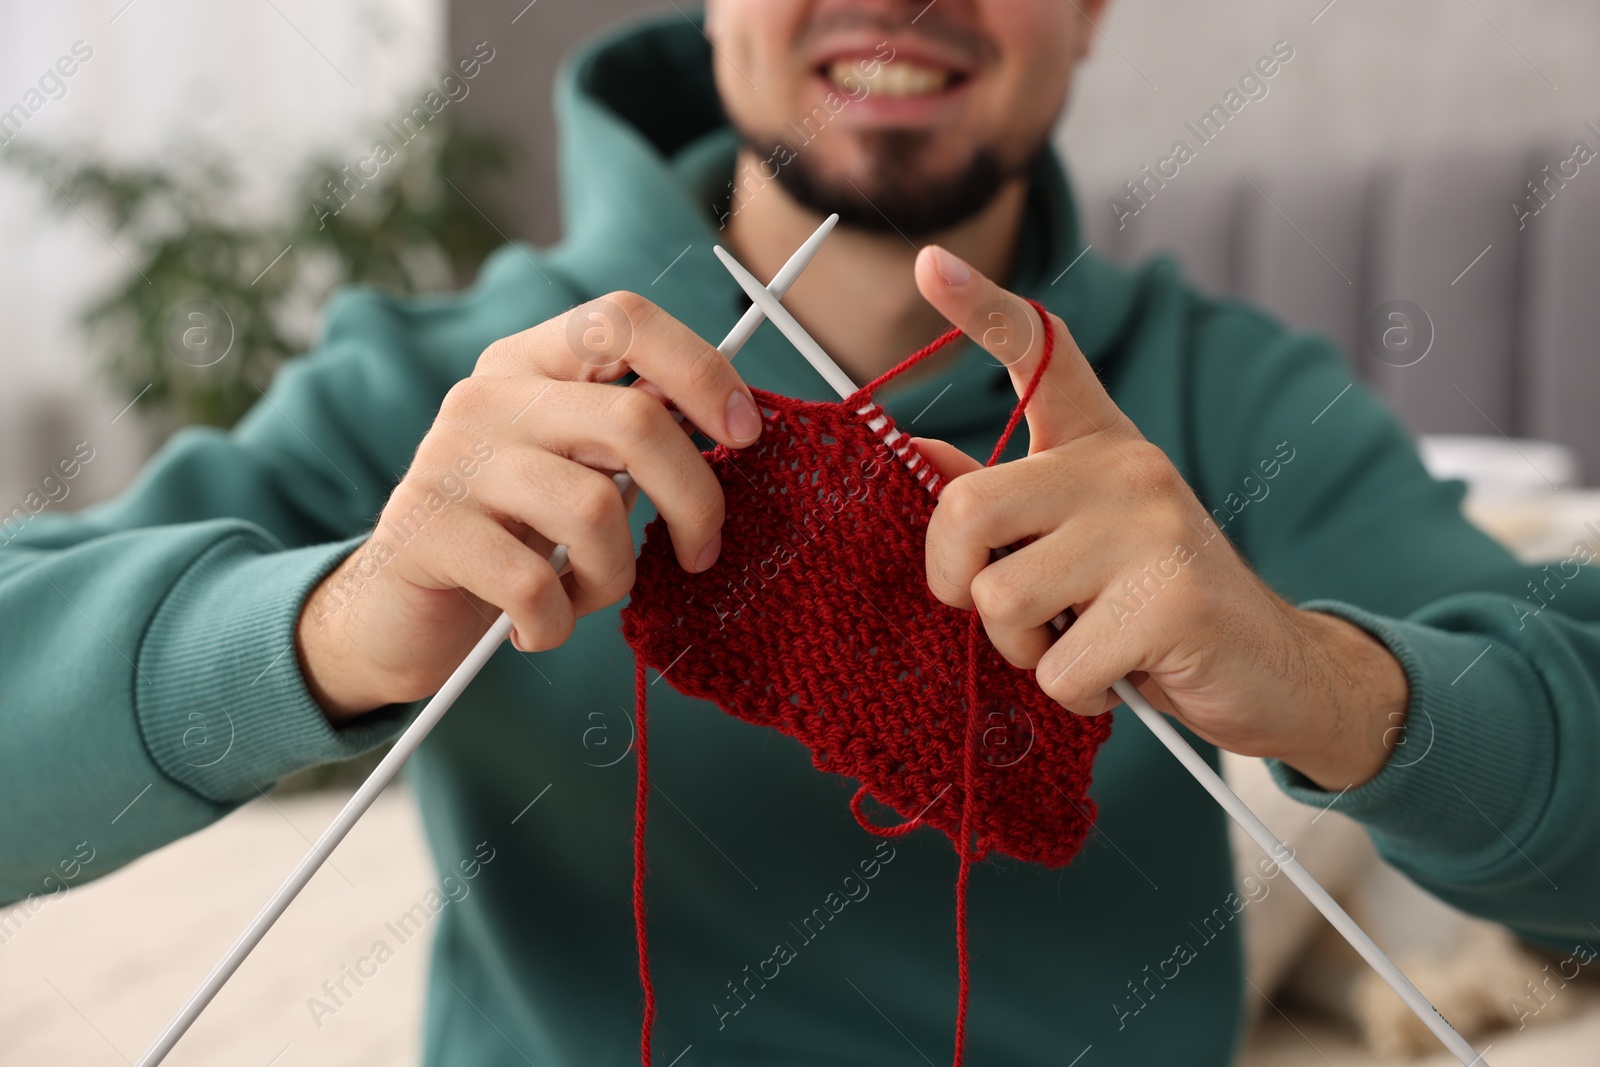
x,y
896,80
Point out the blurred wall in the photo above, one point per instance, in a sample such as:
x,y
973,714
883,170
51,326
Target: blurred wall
x,y
514,98
265,82
1372,80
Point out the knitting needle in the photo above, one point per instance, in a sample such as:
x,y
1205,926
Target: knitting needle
x,y
1164,730
425,721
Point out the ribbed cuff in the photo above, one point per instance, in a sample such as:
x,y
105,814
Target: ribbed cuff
x,y
226,710
1475,768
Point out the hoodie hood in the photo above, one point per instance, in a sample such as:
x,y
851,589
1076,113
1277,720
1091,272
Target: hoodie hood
x,y
646,157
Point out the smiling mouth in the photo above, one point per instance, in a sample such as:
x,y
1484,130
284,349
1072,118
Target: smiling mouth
x,y
899,79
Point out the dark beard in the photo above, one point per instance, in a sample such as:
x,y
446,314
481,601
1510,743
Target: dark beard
x,y
893,200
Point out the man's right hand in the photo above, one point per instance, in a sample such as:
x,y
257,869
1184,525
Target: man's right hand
x,y
517,461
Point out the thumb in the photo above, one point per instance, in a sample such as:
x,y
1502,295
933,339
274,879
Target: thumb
x,y
946,458
1070,401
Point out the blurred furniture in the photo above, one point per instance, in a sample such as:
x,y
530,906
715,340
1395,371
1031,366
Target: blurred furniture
x,y
1513,317
1472,970
108,961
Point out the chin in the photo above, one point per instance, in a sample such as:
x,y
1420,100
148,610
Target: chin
x,y
884,192
888,176
875,167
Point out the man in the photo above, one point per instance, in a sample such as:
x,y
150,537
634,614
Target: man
x,y
1285,585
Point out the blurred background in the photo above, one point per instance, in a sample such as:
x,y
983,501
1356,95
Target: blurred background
x,y
1414,182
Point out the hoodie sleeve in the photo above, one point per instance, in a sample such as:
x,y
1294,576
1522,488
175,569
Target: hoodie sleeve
x,y
1489,800
147,645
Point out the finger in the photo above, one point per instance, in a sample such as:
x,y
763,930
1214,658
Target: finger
x,y
947,459
568,504
1152,691
624,429
1086,661
992,508
1070,402
1019,594
496,567
605,338
651,389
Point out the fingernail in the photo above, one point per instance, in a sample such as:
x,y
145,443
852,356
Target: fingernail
x,y
708,555
743,420
952,269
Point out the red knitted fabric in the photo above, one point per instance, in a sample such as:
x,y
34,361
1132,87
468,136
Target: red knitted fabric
x,y
817,621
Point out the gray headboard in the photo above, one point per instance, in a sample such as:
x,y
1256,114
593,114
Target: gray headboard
x,y
1513,296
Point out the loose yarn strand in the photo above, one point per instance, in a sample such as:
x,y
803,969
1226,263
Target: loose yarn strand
x,y
1048,350
969,752
969,785
640,806
865,392
963,955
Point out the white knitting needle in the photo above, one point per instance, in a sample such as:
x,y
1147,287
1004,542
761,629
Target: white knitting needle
x,y
1164,730
424,722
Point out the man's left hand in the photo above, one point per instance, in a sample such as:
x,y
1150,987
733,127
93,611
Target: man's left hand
x,y
1117,535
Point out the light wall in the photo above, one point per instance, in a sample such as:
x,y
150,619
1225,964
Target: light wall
x,y
1371,78
266,82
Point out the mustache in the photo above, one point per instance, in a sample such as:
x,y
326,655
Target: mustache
x,y
933,25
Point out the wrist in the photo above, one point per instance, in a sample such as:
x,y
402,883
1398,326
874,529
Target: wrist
x,y
1360,695
331,667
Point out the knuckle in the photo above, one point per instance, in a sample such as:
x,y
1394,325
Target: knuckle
x,y
527,587
616,585
706,370
1152,468
463,399
553,627
999,595
635,415
1174,526
1052,685
637,310
1062,334
545,632
965,504
1018,658
595,503
626,317
704,507
600,333
1062,676
1004,326
498,353
1065,692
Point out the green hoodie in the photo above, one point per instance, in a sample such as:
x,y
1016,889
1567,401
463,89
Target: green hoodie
x,y
136,635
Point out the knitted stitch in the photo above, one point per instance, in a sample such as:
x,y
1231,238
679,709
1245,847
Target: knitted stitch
x,y
817,621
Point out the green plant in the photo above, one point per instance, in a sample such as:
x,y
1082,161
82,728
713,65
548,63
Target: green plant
x,y
215,299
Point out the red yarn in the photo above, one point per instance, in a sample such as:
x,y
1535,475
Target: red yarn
x,y
817,621
641,798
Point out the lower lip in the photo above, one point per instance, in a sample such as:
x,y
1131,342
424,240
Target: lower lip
x,y
877,110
